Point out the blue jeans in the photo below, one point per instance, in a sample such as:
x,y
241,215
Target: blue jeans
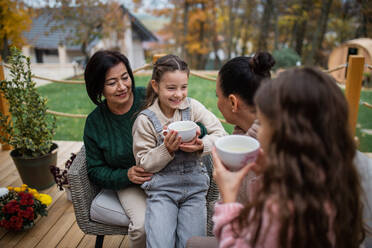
x,y
176,204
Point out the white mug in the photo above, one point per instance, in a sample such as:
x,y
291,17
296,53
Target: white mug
x,y
236,151
185,129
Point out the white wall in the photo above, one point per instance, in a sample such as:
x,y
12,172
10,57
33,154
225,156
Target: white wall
x,y
138,59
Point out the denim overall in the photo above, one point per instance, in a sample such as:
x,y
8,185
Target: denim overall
x,y
176,197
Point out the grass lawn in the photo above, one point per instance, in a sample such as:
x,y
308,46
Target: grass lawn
x,y
73,99
364,126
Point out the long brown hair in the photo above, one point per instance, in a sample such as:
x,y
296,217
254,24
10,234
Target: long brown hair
x,y
310,164
164,64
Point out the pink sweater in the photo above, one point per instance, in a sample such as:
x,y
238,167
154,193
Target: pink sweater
x,y
223,228
225,213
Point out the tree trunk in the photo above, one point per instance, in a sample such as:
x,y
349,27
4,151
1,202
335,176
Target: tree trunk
x,y
302,25
185,30
85,52
5,50
215,42
319,33
276,25
233,4
265,26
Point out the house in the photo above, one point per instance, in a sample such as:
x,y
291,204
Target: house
x,y
48,48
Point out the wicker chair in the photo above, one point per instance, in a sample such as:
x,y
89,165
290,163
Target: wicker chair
x,y
83,192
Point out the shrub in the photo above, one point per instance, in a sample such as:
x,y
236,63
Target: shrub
x,y
285,58
30,130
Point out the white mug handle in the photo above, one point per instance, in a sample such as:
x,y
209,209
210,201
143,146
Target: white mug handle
x,y
165,131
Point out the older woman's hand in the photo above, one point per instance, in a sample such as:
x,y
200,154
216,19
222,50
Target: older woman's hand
x,y
228,181
138,175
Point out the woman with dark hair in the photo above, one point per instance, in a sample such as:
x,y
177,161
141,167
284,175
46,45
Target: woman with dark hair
x,y
237,83
108,135
310,195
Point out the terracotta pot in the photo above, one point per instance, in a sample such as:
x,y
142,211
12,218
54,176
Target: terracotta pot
x,y
35,172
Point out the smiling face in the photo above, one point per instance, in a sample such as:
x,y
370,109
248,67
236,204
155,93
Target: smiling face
x,y
118,88
171,90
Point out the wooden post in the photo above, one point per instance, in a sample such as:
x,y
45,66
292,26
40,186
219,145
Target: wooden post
x,y
4,105
353,87
157,56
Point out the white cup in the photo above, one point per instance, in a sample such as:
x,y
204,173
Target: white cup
x,y
236,151
185,129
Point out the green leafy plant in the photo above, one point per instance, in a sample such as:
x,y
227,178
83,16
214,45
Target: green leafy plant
x,y
30,130
285,58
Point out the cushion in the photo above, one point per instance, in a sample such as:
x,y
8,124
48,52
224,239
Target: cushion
x,y
106,209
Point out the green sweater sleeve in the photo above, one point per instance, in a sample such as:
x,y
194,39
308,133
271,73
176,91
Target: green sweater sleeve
x,y
99,171
203,130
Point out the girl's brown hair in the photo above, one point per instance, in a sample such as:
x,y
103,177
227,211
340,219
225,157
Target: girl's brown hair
x,y
310,172
165,64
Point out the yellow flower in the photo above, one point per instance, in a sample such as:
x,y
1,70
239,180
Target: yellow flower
x,y
17,189
24,186
33,191
45,199
10,188
37,196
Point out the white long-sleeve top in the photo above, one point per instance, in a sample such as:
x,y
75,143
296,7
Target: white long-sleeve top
x,y
154,158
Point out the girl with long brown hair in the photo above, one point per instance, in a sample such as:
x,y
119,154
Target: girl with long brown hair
x,y
310,192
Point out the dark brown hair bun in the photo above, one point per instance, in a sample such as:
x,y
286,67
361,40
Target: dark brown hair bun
x,y
262,62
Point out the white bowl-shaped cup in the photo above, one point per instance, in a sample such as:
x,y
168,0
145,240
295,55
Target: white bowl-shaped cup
x,y
236,151
185,129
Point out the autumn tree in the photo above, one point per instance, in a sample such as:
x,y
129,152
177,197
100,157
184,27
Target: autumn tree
x,y
15,18
87,20
229,28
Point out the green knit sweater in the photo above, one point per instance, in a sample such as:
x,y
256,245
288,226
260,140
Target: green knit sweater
x,y
108,142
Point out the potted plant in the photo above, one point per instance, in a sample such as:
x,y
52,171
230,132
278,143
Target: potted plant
x,y
30,129
60,176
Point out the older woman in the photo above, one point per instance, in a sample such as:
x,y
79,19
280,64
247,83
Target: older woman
x,y
108,135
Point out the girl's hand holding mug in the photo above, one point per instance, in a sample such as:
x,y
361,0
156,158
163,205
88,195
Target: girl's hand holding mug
x,y
194,145
229,181
171,140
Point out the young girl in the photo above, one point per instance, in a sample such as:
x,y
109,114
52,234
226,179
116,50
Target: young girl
x,y
310,193
176,205
237,83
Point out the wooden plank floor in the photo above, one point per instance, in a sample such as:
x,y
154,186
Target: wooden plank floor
x,y
59,228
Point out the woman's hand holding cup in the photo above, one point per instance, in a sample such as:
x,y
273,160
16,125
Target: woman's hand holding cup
x,y
228,181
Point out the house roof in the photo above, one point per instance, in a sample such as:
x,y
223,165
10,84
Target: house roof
x,y
139,28
40,35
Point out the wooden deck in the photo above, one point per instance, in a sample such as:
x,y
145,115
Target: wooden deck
x,y
59,228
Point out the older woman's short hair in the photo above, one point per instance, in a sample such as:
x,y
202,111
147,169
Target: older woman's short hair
x,y
96,69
